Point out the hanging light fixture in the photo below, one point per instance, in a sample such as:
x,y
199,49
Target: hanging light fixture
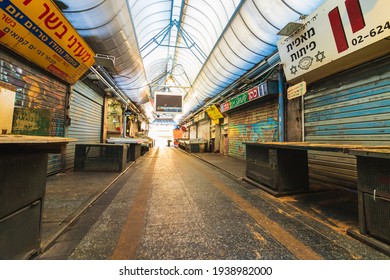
x,y
289,29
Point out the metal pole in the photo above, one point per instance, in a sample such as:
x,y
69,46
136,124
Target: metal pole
x,y
124,121
281,106
303,117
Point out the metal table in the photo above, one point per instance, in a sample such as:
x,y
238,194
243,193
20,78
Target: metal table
x,y
195,145
100,157
281,168
23,168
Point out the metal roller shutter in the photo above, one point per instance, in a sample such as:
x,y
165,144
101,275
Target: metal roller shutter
x,y
39,103
86,114
258,123
350,108
193,131
204,129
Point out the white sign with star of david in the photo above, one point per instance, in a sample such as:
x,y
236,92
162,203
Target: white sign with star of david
x,y
332,35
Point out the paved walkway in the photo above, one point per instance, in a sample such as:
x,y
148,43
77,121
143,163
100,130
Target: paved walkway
x,y
68,195
172,205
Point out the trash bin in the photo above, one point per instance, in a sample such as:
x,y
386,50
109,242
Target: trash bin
x,y
169,143
211,145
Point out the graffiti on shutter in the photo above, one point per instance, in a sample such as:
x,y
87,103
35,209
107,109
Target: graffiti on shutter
x,y
256,124
39,101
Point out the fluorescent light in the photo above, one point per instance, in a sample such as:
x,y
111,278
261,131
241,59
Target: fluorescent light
x,y
290,28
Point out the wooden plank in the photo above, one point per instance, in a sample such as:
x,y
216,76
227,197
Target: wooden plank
x,y
374,152
22,139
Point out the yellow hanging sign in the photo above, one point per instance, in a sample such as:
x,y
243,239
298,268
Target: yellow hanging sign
x,y
214,113
38,31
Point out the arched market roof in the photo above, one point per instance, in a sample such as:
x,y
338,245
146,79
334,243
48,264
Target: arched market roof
x,y
193,47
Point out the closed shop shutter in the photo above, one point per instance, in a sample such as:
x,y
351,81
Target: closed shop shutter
x,y
204,129
86,113
257,123
350,108
39,103
193,131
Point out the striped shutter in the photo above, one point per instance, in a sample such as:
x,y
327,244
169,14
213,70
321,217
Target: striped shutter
x,y
204,129
257,123
86,114
40,102
193,131
352,107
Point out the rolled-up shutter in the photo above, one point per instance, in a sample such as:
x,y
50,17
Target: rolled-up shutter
x,y
352,107
86,113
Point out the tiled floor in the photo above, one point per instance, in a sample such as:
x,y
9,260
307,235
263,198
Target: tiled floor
x,y
172,205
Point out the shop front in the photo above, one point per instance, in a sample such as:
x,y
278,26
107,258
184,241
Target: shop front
x,y
341,52
253,117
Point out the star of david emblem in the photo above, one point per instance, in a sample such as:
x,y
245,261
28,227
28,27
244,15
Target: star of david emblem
x,y
293,70
320,56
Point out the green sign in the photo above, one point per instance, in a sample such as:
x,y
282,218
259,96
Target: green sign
x,y
239,100
29,121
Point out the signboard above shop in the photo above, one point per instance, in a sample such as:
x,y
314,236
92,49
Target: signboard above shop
x,y
38,31
264,89
338,35
214,113
199,117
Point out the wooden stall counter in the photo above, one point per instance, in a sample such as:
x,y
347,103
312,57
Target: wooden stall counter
x,y
21,143
281,168
23,168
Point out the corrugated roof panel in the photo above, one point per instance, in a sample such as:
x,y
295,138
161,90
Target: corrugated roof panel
x,y
213,42
245,44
